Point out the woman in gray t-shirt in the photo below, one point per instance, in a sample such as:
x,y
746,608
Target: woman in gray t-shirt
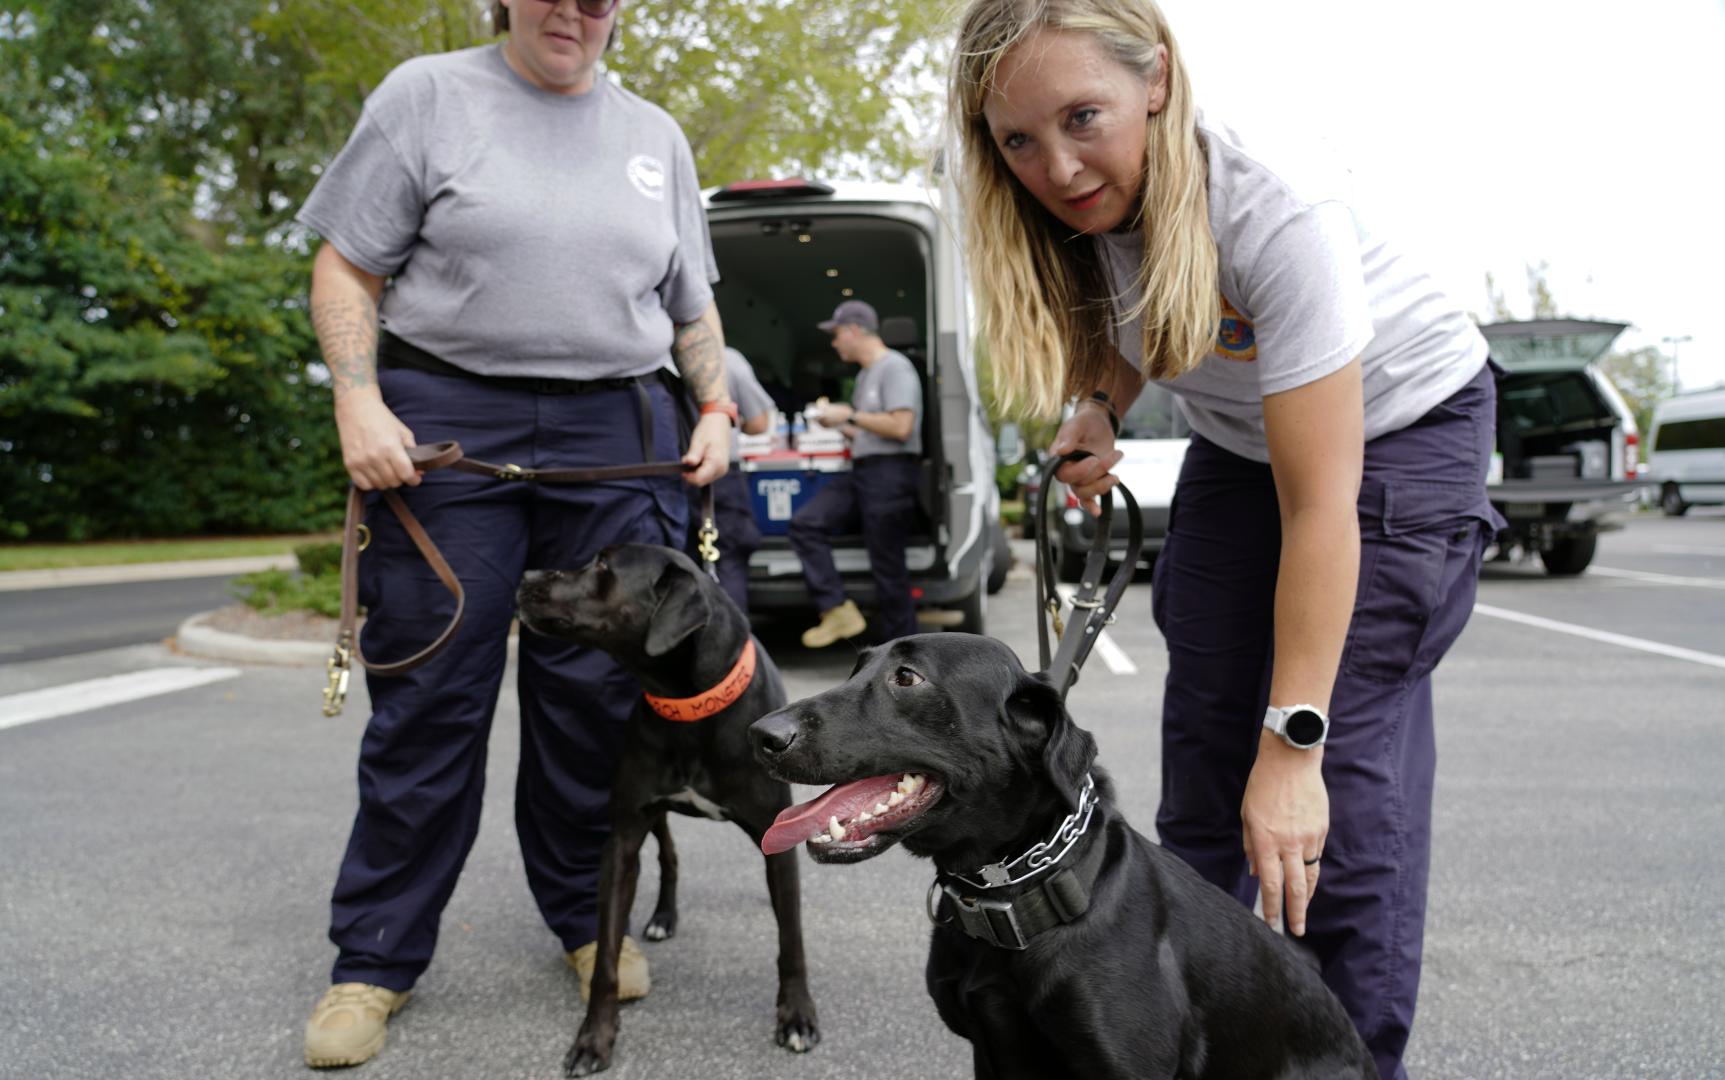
x,y
530,239
1325,540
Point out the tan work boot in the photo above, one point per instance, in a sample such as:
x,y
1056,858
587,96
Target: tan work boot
x,y
836,624
348,1025
632,979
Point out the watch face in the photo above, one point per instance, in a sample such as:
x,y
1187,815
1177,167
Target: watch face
x,y
1305,728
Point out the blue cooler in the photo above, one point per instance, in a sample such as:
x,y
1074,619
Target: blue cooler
x,y
779,485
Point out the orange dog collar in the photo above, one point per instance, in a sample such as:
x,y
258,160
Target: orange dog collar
x,y
701,706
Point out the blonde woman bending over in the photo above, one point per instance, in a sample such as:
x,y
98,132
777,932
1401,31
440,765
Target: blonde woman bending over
x,y
1327,531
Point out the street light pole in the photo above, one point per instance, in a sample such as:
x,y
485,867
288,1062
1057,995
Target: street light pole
x,y
1676,386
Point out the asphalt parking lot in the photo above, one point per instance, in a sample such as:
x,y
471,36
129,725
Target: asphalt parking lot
x,y
167,860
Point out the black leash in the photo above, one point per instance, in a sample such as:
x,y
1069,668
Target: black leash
x,y
1091,613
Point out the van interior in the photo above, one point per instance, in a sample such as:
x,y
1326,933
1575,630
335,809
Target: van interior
x,y
1554,419
1554,425
784,274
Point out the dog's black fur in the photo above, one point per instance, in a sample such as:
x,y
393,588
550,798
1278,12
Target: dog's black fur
x,y
1164,975
678,634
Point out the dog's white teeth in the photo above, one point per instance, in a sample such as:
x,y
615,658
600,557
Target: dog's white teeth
x,y
834,829
895,798
904,784
865,816
911,783
880,808
820,838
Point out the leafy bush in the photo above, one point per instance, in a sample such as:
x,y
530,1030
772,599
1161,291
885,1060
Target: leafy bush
x,y
320,558
274,592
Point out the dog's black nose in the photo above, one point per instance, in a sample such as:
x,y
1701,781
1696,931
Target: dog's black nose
x,y
774,733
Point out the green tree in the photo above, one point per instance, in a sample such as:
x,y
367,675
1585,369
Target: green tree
x,y
149,384
1643,377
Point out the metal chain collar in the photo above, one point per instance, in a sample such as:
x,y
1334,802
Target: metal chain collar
x,y
1000,874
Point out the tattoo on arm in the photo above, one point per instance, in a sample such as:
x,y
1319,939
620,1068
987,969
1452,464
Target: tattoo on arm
x,y
347,332
699,351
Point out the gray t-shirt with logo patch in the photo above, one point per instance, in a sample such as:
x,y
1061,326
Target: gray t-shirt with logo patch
x,y
525,233
888,384
1307,285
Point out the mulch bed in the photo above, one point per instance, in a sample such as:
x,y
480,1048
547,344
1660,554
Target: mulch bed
x,y
287,626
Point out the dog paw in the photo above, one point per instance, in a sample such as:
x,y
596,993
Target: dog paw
x,y
799,1034
586,1056
660,928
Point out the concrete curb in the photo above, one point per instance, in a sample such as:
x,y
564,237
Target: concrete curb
x,y
196,639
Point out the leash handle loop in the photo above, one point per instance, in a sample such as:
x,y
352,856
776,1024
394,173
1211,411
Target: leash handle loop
x,y
1090,612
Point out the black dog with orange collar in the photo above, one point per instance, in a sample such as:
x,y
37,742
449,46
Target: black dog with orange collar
x,y
705,679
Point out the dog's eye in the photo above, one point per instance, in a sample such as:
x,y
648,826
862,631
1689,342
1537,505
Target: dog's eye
x,y
905,677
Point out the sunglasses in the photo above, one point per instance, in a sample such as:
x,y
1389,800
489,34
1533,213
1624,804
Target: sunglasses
x,y
593,9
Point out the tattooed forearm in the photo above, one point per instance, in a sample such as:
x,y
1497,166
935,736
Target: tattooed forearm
x,y
347,332
699,351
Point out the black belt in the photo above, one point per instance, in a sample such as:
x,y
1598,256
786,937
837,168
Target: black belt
x,y
393,352
857,462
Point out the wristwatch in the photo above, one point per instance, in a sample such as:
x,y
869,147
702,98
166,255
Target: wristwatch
x,y
729,408
1300,726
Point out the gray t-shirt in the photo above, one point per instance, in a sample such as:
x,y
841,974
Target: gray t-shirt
x,y
746,391
887,384
1306,287
525,232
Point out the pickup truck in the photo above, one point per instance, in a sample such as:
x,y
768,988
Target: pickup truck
x,y
1565,468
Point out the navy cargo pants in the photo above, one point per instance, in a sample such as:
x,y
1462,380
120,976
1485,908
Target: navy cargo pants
x,y
878,499
1424,525
422,759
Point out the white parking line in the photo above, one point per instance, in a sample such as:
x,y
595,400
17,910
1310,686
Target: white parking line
x,y
1658,579
1642,644
1112,655
79,697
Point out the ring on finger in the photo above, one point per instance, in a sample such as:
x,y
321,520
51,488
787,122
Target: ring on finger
x,y
1313,861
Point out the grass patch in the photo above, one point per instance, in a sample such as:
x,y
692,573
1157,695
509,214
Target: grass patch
x,y
1011,512
119,553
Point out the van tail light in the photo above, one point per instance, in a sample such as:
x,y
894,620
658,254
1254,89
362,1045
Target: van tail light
x,y
1071,501
1631,455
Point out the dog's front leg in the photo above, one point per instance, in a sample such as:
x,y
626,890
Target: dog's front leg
x,y
619,867
797,1026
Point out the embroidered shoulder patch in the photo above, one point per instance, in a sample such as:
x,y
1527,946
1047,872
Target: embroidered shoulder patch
x,y
1236,339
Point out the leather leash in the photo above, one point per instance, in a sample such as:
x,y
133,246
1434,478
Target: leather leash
x,y
447,455
1076,641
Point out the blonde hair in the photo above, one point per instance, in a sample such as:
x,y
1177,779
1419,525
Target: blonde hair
x,y
1045,301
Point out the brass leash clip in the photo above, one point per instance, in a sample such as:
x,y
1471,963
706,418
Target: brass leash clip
x,y
339,667
708,545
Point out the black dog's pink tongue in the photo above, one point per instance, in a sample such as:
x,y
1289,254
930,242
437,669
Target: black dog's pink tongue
x,y
795,824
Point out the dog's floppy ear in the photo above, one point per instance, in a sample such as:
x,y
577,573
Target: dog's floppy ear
x,y
682,609
1068,751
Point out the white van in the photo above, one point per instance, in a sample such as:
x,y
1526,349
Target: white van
x,y
1686,450
788,252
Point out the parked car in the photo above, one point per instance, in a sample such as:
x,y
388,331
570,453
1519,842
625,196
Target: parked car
x,y
1686,450
1153,436
1566,441
788,252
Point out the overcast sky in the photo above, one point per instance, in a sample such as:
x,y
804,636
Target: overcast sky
x,y
1502,132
